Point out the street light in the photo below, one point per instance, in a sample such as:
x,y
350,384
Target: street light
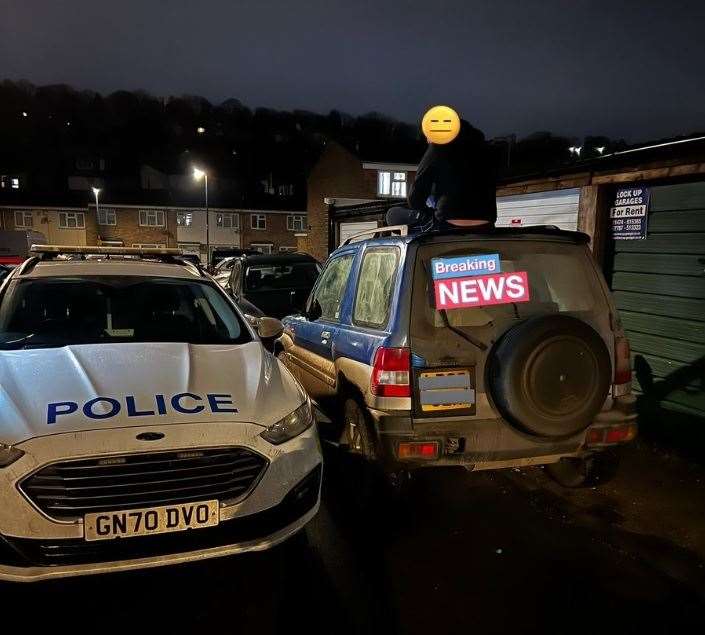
x,y
96,191
198,175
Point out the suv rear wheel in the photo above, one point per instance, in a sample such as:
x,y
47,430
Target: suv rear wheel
x,y
357,434
586,471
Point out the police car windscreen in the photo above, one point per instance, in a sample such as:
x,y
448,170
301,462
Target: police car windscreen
x,y
88,310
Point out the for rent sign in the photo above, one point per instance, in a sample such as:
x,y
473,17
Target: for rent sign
x,y
630,213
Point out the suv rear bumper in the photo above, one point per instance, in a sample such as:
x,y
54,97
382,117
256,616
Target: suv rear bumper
x,y
489,443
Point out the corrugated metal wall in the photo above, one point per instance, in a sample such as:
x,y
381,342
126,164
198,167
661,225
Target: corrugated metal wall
x,y
659,287
558,208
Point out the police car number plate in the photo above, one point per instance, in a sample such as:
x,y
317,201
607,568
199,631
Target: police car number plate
x,y
151,520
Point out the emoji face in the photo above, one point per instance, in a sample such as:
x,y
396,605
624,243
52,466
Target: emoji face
x,y
440,124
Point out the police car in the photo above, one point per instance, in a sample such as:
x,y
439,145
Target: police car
x,y
143,422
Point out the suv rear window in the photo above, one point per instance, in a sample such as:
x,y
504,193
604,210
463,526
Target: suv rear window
x,y
48,312
561,279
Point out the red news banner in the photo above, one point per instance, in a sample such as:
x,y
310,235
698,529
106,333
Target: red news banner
x,y
459,283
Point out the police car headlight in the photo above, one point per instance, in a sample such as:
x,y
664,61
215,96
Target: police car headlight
x,y
290,426
8,455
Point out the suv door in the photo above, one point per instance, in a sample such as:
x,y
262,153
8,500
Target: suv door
x,y
368,326
312,334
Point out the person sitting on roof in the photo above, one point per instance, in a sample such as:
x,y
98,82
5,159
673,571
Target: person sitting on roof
x,y
455,182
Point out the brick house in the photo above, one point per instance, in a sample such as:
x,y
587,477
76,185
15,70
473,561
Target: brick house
x,y
271,231
340,178
134,226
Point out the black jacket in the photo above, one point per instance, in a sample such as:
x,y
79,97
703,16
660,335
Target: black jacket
x,y
460,175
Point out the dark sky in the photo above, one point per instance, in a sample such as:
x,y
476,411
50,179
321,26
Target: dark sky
x,y
621,68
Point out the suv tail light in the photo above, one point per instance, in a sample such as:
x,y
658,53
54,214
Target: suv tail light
x,y
390,372
622,362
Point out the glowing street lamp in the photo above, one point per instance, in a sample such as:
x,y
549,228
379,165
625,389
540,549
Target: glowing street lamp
x,y
96,192
198,175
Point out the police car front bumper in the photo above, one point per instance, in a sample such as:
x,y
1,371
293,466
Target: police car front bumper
x,y
35,547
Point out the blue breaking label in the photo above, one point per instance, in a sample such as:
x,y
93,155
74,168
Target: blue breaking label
x,y
462,266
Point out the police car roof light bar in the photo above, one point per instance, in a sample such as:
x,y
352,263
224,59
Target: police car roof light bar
x,y
55,250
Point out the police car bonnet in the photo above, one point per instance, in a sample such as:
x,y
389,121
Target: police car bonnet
x,y
88,387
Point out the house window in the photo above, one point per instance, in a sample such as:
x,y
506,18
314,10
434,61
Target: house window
x,y
107,217
227,220
286,250
151,218
258,221
391,184
72,220
295,222
184,219
265,248
285,190
23,220
149,245
15,183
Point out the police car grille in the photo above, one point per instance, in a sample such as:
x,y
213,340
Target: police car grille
x,y
71,489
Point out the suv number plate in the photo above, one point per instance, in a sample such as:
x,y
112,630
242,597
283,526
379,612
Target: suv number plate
x,y
446,390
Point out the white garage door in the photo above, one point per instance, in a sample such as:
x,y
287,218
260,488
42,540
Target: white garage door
x,y
558,208
346,230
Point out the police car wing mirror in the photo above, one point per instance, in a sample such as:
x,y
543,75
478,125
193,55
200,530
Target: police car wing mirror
x,y
269,328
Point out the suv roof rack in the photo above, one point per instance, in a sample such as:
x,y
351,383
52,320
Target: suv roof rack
x,y
401,230
162,254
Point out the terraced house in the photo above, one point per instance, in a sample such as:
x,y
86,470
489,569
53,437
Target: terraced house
x,y
269,231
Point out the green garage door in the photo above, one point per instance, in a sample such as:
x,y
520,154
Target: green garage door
x,y
659,286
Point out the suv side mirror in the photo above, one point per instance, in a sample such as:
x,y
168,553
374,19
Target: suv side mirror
x,y
269,328
314,311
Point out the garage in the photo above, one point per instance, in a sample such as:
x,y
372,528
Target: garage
x,y
558,208
659,287
346,230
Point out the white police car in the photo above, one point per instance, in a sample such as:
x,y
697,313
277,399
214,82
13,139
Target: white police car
x,y
142,421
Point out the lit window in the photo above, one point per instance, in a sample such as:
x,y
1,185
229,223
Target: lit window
x,y
15,183
184,219
391,184
258,221
107,217
72,220
227,220
286,250
151,218
296,222
23,220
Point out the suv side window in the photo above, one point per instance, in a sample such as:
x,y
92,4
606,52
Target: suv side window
x,y
374,287
329,292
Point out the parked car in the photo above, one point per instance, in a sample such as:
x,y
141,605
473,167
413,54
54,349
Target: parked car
x,y
15,244
273,285
220,257
486,350
138,403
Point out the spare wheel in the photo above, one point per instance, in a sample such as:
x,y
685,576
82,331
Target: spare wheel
x,y
549,375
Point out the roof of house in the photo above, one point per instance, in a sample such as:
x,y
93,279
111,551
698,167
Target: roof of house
x,y
669,151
